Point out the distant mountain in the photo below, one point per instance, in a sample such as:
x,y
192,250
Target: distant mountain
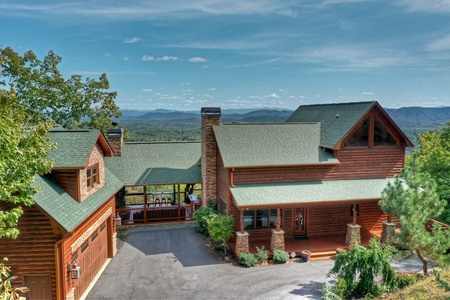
x,y
163,124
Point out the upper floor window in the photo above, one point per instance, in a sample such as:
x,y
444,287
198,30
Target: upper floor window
x,y
92,176
371,133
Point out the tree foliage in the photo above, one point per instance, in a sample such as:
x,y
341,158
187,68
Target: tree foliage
x,y
357,269
434,154
7,291
23,154
413,200
220,228
44,93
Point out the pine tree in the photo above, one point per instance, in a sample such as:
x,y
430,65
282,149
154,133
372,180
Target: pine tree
x,y
413,200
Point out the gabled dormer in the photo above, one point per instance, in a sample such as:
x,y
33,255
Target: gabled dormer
x,y
351,125
79,156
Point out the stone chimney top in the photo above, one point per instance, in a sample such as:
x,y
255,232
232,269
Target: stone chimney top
x,y
115,138
211,111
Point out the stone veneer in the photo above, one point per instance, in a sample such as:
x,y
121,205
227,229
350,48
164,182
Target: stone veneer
x,y
353,234
387,236
242,244
115,140
277,241
95,157
210,117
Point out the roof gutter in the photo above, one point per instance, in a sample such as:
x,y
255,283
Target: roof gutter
x,y
283,166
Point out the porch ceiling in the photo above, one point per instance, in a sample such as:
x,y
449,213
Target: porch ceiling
x,y
308,192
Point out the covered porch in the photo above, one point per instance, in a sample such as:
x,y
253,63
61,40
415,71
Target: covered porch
x,y
321,247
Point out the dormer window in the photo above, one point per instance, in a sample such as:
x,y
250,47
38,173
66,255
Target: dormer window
x,y
92,176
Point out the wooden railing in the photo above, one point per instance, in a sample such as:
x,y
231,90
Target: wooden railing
x,y
147,214
431,225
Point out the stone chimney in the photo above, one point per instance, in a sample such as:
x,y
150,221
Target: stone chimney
x,y
210,117
115,138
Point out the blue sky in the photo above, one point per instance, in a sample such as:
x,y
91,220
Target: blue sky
x,y
181,54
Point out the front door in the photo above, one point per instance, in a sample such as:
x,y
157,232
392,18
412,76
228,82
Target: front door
x,y
299,219
40,287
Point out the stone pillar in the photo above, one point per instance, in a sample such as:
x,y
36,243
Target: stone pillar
x,y
242,244
114,244
210,117
387,236
353,234
115,140
277,241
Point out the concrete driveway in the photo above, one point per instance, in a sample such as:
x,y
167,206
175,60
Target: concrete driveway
x,y
171,262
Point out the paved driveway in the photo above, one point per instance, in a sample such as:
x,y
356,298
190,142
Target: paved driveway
x,y
171,262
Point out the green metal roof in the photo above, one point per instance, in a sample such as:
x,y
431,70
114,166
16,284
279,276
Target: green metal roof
x,y
248,145
336,119
73,147
65,210
308,192
157,163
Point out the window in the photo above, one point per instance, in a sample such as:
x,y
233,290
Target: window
x,y
94,236
92,176
103,226
255,219
84,246
360,138
382,137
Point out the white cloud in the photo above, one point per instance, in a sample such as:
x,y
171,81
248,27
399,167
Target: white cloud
x,y
164,58
147,90
441,44
126,58
211,89
273,95
131,40
432,6
367,93
282,91
197,60
146,57
168,58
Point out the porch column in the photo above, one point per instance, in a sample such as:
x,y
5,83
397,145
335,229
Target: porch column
x,y
277,241
387,236
353,234
242,244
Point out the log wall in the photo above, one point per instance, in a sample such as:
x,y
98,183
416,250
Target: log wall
x,y
355,163
32,253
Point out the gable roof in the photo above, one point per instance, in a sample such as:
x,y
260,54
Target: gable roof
x,y
73,147
308,192
65,210
271,144
157,163
336,119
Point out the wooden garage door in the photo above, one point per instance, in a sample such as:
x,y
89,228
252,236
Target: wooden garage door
x,y
40,287
92,254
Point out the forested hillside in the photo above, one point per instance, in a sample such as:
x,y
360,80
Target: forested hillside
x,y
166,125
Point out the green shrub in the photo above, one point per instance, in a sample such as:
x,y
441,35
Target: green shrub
x,y
403,280
247,259
328,294
220,228
202,215
261,254
280,256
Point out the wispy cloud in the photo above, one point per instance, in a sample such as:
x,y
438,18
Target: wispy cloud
x,y
197,60
164,58
441,44
273,95
430,6
131,40
147,90
152,9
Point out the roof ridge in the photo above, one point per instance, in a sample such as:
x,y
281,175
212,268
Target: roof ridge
x,y
268,123
162,142
339,103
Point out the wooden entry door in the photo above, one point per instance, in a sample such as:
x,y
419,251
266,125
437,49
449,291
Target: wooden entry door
x,y
300,224
40,287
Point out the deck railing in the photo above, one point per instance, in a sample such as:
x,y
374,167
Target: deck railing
x,y
136,214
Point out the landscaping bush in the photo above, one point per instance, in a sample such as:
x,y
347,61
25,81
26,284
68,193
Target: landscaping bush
x,y
261,254
247,259
202,215
280,256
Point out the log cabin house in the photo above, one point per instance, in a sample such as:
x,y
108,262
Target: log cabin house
x,y
312,183
69,234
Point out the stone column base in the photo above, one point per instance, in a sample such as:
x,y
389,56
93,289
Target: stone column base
x,y
277,241
114,244
353,235
387,236
242,244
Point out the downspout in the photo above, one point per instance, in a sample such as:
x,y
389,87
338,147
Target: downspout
x,y
232,178
58,265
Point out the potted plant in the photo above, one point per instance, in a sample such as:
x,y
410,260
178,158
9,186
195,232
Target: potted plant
x,y
306,254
